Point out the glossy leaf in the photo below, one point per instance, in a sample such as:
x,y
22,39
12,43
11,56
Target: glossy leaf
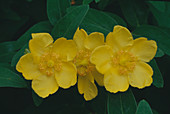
x,y
103,3
144,108
11,79
119,20
129,13
161,12
6,57
97,1
157,76
7,47
56,9
87,1
43,26
67,26
154,33
121,103
159,53
17,55
98,21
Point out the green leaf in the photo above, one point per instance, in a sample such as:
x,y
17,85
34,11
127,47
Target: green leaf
x,y
6,57
43,26
97,21
159,53
7,51
127,7
154,33
97,1
17,56
56,9
103,3
11,79
121,103
161,12
157,76
143,108
6,47
87,1
37,99
67,26
119,20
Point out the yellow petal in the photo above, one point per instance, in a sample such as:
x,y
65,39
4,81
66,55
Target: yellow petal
x,y
142,75
27,67
39,44
144,49
67,77
65,48
101,57
79,37
93,40
119,38
81,84
98,77
114,82
86,87
45,85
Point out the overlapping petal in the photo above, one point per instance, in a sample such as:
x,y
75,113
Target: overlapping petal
x,y
67,77
142,75
27,67
144,49
98,77
115,82
87,87
93,40
79,37
101,57
45,85
39,44
65,48
119,38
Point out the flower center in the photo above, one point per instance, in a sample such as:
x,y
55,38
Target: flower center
x,y
82,61
49,63
124,61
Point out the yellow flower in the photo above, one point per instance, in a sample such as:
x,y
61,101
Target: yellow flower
x,y
122,60
87,72
49,64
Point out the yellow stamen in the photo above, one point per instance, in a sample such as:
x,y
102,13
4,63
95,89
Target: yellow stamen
x,y
125,62
50,63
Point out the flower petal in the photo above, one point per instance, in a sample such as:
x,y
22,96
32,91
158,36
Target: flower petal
x,y
144,49
98,77
93,40
27,67
119,38
67,76
114,82
79,37
101,57
142,75
45,85
86,87
39,44
65,48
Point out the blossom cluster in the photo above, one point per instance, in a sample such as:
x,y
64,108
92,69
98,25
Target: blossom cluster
x,y
116,63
